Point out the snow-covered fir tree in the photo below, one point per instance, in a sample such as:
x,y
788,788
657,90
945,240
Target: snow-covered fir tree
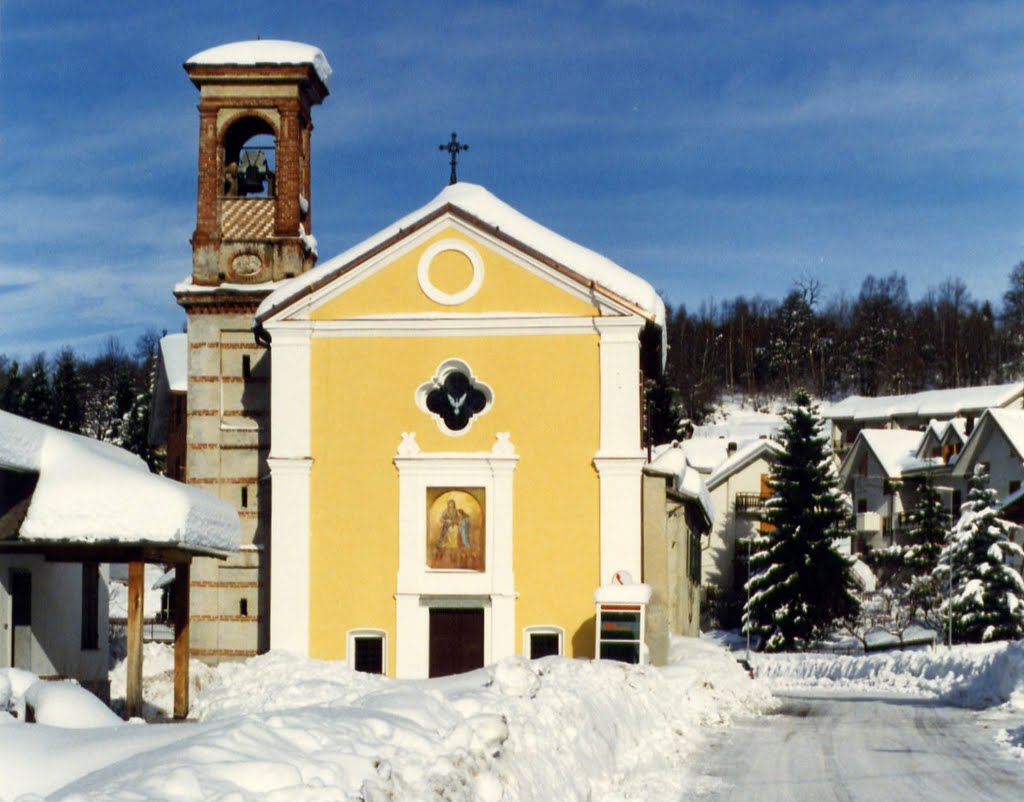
x,y
929,526
800,584
987,600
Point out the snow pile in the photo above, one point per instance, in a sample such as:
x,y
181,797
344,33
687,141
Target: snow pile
x,y
59,704
158,680
66,704
281,727
265,51
91,491
968,676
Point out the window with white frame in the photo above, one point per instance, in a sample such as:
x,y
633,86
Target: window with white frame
x,y
367,650
543,641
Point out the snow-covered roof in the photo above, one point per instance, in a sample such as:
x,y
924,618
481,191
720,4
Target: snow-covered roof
x,y
671,460
1011,421
895,449
89,491
256,52
743,457
927,404
481,204
174,353
638,593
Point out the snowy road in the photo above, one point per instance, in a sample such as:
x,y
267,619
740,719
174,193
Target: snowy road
x,y
837,746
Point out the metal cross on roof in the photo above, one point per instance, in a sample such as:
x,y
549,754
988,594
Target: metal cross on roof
x,y
453,147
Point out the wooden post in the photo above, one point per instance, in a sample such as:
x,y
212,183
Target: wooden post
x,y
133,700
181,650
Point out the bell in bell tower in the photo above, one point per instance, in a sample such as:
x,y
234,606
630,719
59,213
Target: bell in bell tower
x,y
253,221
253,228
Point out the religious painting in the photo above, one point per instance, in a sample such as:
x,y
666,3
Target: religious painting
x,y
455,528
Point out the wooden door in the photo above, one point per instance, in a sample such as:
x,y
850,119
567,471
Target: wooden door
x,y
21,619
456,640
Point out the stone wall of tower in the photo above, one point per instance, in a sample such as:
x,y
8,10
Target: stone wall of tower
x,y
226,454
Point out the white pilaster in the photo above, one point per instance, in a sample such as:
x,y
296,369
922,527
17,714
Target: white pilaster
x,y
290,464
619,460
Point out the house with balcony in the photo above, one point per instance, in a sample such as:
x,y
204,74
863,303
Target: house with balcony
x,y
878,473
739,489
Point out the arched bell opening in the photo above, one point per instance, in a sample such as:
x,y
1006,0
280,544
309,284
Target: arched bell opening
x,y
250,159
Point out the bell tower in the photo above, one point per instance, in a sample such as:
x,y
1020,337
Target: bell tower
x,y
253,230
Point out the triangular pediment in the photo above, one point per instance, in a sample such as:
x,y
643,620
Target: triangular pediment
x,y
447,260
449,266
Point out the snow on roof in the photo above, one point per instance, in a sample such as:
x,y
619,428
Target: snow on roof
x,y
895,449
638,593
90,491
927,404
174,352
266,51
1011,421
671,460
480,203
743,456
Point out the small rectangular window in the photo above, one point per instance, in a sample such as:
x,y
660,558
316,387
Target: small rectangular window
x,y
90,606
245,497
862,505
369,654
543,644
246,366
243,607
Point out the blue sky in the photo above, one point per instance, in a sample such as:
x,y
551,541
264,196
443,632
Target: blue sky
x,y
716,148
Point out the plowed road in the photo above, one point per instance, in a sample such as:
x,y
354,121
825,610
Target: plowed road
x,y
825,747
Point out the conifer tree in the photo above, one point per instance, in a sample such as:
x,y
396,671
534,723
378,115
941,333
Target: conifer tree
x,y
10,396
929,525
800,584
663,414
987,600
36,396
67,411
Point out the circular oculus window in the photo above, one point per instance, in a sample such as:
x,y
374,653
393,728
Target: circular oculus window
x,y
435,293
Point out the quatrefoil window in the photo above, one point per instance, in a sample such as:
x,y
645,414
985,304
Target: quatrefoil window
x,y
454,397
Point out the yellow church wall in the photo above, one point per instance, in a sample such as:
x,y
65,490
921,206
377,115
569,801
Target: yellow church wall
x,y
546,394
507,287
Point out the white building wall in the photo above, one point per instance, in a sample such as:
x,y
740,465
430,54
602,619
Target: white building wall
x,y
730,527
56,619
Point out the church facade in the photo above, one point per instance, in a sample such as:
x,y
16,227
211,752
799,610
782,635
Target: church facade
x,y
444,448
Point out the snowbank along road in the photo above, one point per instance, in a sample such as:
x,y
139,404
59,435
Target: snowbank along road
x,y
824,746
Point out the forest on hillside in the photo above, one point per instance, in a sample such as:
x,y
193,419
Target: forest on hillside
x,y
880,342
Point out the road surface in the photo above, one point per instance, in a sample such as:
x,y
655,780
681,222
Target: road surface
x,y
822,747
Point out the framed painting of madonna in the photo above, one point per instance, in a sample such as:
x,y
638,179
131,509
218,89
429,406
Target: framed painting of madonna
x,y
455,528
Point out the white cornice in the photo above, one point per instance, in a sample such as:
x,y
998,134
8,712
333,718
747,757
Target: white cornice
x,y
495,324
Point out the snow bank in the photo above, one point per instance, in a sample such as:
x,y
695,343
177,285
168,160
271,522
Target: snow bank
x,y
59,704
281,727
967,676
66,704
158,680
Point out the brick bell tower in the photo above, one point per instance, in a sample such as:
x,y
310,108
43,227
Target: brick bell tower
x,y
253,230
